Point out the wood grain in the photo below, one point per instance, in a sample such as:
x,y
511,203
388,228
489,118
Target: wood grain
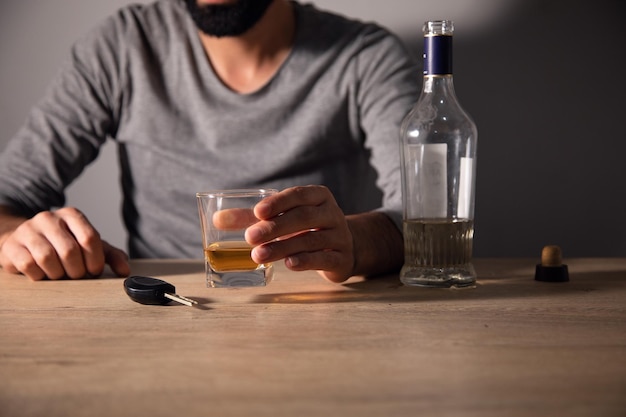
x,y
306,347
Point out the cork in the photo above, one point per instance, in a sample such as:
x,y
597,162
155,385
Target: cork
x,y
551,268
551,256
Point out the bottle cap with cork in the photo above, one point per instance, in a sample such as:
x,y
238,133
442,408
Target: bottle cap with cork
x,y
551,268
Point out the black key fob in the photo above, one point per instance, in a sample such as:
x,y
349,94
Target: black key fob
x,y
147,290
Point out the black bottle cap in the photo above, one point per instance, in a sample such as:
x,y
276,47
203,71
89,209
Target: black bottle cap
x,y
551,268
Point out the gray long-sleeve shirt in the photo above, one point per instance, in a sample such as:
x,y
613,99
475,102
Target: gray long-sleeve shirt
x,y
330,115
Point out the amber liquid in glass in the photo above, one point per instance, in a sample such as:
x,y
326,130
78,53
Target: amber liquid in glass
x,y
230,256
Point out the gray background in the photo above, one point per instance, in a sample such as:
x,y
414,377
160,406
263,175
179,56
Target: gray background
x,y
544,80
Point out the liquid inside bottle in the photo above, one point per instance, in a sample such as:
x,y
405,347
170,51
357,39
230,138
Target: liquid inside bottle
x,y
438,253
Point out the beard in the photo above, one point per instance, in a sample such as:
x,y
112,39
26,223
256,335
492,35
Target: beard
x,y
227,19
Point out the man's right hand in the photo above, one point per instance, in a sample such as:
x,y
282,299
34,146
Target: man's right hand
x,y
56,244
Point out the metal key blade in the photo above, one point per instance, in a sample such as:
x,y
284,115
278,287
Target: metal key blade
x,y
180,299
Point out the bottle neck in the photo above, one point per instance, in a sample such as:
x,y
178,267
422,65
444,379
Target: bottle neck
x,y
438,64
438,84
437,55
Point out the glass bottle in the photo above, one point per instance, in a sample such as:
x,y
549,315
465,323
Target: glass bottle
x,y
438,148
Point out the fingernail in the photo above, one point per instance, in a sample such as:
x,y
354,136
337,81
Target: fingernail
x,y
261,253
262,209
253,235
292,261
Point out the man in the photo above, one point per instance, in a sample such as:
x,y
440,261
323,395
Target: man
x,y
211,94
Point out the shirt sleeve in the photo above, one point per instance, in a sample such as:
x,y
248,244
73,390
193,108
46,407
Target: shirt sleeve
x,y
65,130
390,84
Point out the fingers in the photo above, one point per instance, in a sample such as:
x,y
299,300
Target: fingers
x,y
117,259
314,249
67,244
55,245
17,259
82,252
293,211
234,219
30,249
306,227
286,200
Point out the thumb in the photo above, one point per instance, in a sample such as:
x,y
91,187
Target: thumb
x,y
117,259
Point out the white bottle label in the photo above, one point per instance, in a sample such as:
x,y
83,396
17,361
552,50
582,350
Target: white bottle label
x,y
430,180
465,188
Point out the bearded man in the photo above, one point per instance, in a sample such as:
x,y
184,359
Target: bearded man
x,y
216,94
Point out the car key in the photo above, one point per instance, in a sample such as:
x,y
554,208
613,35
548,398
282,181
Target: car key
x,y
148,290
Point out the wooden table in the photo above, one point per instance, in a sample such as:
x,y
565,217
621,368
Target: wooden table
x,y
306,347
